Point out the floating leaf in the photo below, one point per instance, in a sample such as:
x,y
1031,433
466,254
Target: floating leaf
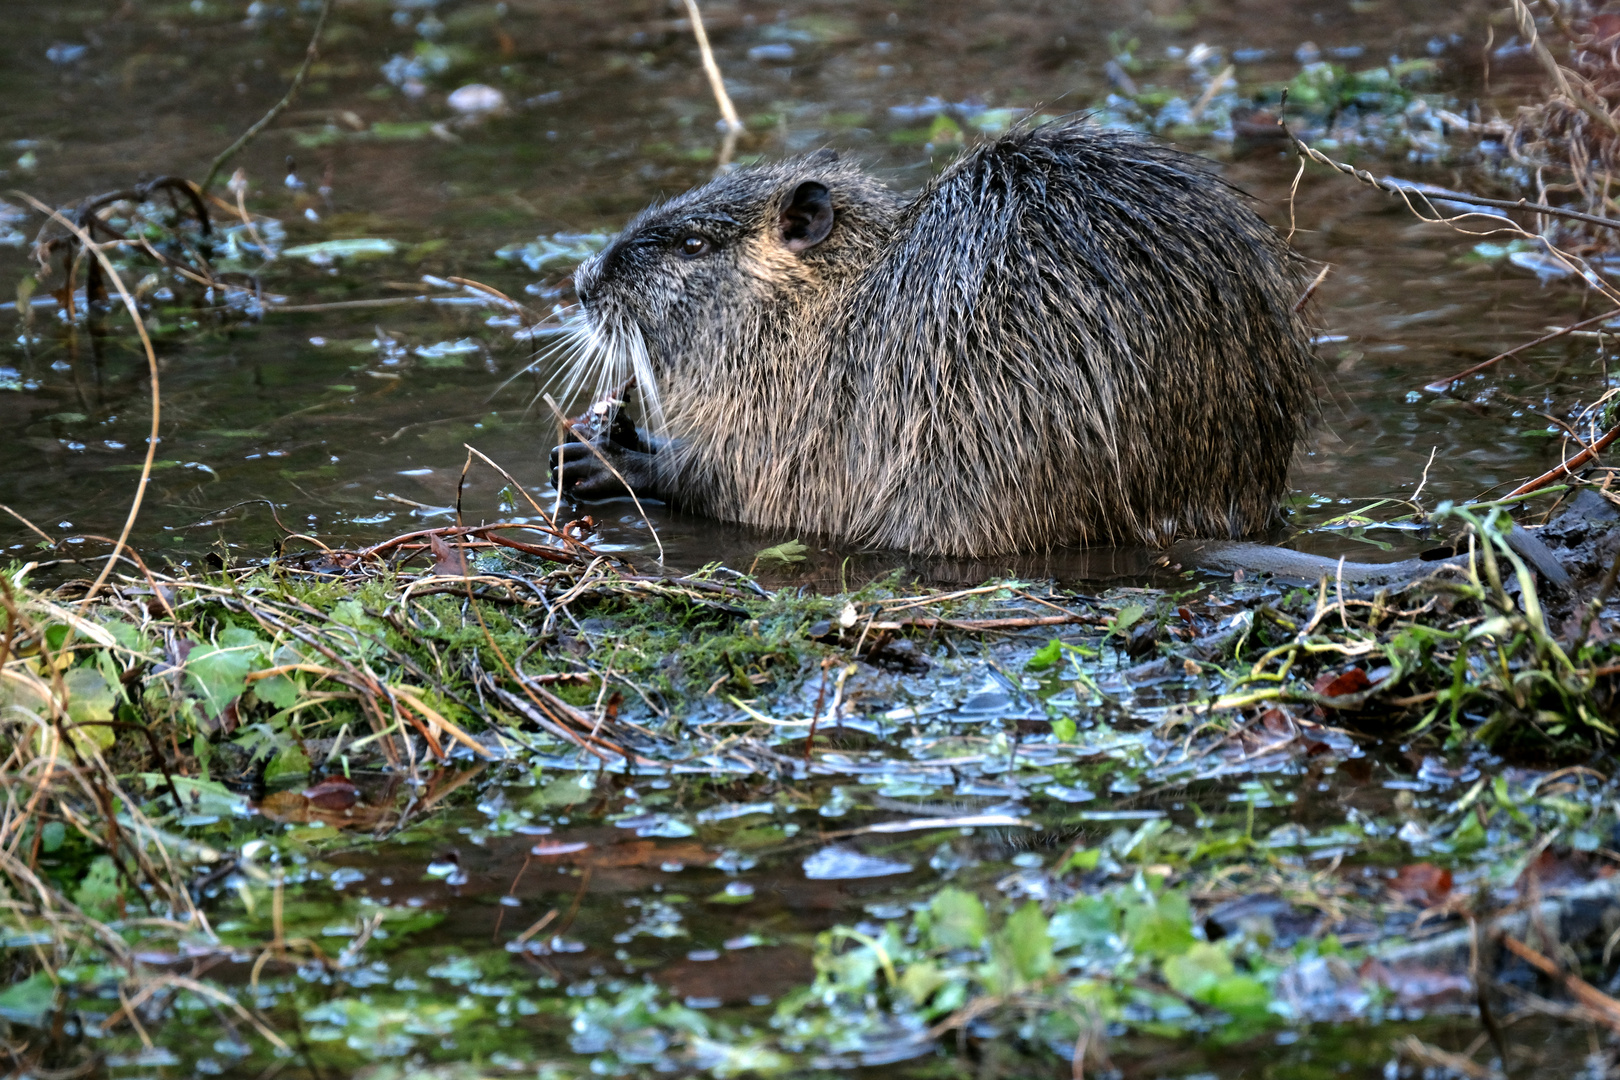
x,y
786,553
328,251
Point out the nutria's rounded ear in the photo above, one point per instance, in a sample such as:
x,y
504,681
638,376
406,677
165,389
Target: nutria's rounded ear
x,y
808,216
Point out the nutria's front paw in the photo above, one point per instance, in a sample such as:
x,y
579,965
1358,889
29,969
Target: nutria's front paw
x,y
583,475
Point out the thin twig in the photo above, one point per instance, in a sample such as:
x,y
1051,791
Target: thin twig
x,y
728,112
1406,189
287,99
712,69
550,401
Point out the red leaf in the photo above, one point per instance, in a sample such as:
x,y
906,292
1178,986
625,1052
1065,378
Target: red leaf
x,y
1350,681
1422,883
333,793
447,561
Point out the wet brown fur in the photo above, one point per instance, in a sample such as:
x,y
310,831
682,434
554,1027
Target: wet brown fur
x,y
1070,336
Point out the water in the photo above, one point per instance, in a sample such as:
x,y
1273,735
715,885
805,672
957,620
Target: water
x,y
607,111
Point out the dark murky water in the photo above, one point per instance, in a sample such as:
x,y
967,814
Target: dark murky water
x,y
608,111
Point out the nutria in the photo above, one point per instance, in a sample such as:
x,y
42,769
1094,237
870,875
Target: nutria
x,y
1071,336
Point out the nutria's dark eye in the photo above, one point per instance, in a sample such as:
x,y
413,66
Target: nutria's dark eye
x,y
693,246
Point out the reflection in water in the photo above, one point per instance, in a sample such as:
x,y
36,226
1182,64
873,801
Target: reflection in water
x,y
352,421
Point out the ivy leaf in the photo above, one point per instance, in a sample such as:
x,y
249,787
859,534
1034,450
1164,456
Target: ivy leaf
x,y
219,672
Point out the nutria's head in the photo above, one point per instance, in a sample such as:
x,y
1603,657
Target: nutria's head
x,y
700,281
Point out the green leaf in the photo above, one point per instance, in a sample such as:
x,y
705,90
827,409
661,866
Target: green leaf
x,y
1046,657
1244,996
1065,730
1125,618
785,553
1197,971
98,893
199,796
30,1001
289,761
959,920
944,130
1160,927
219,672
1025,942
920,980
278,691
1083,921
90,699
1469,835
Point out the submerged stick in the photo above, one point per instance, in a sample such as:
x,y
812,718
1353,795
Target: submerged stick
x,y
275,110
1440,385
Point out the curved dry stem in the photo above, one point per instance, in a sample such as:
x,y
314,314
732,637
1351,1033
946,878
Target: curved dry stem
x,y
89,245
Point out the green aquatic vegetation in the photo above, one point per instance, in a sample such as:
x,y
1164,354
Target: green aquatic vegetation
x,y
1092,926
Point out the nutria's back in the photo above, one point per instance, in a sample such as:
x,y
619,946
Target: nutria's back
x,y
1070,336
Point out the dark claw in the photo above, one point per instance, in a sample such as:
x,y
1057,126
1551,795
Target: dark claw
x,y
584,476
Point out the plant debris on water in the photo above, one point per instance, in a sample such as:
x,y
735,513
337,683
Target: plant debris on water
x,y
461,796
